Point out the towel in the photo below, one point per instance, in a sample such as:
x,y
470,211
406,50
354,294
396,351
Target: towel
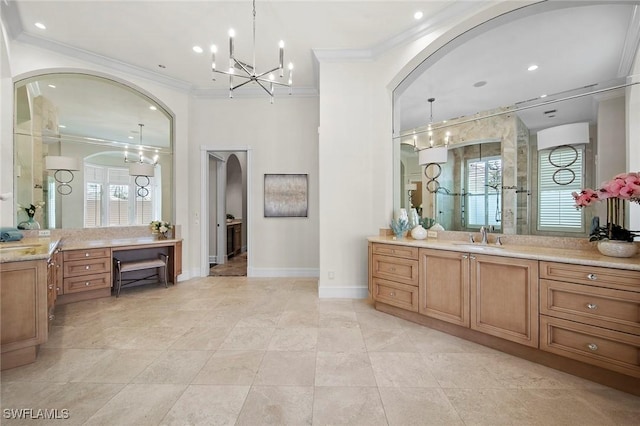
x,y
10,234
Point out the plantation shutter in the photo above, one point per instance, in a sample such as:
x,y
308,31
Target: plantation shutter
x,y
556,207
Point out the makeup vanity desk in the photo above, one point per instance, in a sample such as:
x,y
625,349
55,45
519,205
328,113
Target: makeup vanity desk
x,y
87,271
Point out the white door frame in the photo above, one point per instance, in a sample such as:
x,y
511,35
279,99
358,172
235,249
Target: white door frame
x,y
205,151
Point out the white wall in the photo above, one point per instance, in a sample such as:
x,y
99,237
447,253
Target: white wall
x,y
633,137
6,133
283,139
611,139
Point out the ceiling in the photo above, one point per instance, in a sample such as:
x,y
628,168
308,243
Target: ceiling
x,y
573,47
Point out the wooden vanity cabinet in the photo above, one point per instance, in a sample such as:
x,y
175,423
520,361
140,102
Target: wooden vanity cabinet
x,y
444,286
591,314
86,270
394,275
504,297
23,303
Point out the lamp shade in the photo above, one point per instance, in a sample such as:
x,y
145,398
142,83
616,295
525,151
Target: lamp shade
x,y
141,169
568,134
58,162
433,155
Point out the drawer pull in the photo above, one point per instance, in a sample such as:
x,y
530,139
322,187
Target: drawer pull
x,y
86,255
592,347
87,283
51,287
52,317
392,293
392,269
472,257
464,256
592,277
592,306
86,267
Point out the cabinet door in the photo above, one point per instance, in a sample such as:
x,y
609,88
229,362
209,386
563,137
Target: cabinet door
x,y
444,286
504,298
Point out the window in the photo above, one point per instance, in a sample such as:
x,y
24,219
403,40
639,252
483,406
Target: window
x,y
112,199
556,208
484,192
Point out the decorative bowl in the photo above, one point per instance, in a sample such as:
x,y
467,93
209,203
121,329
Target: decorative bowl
x,y
617,248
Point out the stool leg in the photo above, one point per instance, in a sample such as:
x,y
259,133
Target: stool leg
x,y
119,283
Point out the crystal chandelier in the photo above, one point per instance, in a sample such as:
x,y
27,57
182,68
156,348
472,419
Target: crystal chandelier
x,y
247,72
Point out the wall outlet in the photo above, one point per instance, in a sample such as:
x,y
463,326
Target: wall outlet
x,y
44,233
432,234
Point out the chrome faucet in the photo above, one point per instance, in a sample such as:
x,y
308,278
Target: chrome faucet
x,y
483,234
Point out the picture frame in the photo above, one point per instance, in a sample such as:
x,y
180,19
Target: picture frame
x,y
286,195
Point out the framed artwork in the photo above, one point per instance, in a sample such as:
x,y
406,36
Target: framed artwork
x,y
286,195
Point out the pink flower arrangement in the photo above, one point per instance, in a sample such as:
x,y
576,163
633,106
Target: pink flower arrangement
x,y
625,186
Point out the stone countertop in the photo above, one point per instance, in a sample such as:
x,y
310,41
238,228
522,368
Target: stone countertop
x,y
151,240
28,249
589,257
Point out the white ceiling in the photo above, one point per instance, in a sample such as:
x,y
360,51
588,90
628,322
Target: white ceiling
x,y
576,46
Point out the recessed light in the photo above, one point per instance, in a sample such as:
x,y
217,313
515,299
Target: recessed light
x,y
130,137
197,49
543,96
153,108
532,68
40,25
418,15
161,66
53,86
62,126
479,83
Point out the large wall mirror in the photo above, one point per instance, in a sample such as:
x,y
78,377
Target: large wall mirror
x,y
488,94
90,152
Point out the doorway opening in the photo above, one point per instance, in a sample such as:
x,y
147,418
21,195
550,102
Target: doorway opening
x,y
227,216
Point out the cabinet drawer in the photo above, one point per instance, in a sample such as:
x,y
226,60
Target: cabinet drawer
x,y
87,282
598,306
395,250
85,267
395,269
87,254
591,275
594,345
396,294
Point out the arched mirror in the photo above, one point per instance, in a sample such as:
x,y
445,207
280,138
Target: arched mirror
x,y
90,152
488,94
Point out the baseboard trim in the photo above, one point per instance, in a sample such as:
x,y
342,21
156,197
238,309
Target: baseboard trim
x,y
283,272
343,292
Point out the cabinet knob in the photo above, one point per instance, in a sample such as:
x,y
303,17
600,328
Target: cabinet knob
x,y
52,317
465,256
592,277
592,346
86,267
472,257
392,293
87,283
51,287
592,306
392,269
86,255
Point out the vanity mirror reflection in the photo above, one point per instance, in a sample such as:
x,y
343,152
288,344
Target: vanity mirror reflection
x,y
494,88
110,142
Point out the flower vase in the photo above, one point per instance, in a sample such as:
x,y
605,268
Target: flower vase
x,y
163,235
30,223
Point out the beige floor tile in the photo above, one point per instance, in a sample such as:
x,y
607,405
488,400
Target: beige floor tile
x,y
363,305
155,338
230,368
174,367
379,320
618,407
345,319
344,369
261,319
201,338
294,339
334,305
248,338
461,370
340,339
490,406
561,406
287,368
393,369
427,340
56,365
377,340
277,405
418,406
138,404
207,405
308,318
512,372
119,366
347,406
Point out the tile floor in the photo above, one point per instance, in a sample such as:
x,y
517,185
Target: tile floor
x,y
249,351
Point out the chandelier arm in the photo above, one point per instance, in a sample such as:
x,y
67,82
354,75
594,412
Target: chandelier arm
x,y
243,83
265,89
242,66
278,83
267,72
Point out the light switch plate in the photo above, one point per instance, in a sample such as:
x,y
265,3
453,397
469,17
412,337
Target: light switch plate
x,y
44,233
